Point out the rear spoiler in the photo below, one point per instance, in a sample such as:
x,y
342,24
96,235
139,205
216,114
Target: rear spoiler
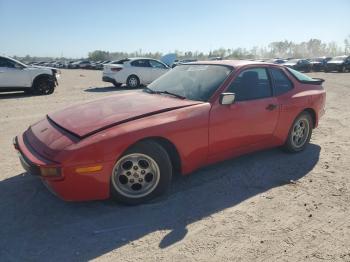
x,y
314,81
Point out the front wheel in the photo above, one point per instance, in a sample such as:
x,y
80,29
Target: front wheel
x,y
299,134
142,173
43,86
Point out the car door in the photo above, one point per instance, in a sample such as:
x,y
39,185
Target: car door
x,y
143,70
250,120
158,69
12,74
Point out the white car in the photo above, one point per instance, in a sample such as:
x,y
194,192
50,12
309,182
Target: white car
x,y
134,71
16,76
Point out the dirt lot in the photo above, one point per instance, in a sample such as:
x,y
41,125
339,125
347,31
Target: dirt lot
x,y
267,206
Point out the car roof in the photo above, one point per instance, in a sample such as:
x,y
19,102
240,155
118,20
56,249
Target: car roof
x,y
137,58
232,63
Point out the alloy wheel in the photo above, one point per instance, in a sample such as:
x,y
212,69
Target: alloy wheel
x,y
135,175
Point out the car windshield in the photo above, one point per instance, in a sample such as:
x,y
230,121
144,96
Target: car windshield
x,y
338,58
18,62
194,82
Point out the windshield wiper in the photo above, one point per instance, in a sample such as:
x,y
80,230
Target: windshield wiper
x,y
151,91
169,93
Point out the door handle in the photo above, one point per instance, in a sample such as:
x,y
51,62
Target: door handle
x,y
271,107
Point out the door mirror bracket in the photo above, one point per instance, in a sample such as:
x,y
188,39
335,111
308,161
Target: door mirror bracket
x,y
227,98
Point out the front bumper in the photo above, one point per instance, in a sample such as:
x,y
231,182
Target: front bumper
x,y
27,165
70,186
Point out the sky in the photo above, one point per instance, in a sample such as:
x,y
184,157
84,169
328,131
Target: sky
x,y
72,28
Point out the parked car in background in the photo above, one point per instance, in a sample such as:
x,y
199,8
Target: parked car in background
x,y
74,65
215,58
318,63
133,71
183,61
299,64
97,65
128,145
85,64
338,63
16,76
277,61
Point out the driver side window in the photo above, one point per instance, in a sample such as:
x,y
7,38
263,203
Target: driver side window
x,y
156,64
251,84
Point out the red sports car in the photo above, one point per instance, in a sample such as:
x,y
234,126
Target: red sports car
x,y
129,145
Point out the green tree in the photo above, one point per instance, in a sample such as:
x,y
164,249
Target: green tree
x,y
98,55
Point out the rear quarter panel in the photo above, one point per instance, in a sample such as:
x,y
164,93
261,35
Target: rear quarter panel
x,y
292,103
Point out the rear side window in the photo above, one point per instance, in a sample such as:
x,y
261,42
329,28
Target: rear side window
x,y
141,63
251,84
281,82
301,77
156,64
120,62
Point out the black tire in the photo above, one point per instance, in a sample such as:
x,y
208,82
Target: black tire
x,y
43,86
133,81
157,153
291,146
343,69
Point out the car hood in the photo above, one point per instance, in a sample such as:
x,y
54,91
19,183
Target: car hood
x,y
168,59
289,64
92,117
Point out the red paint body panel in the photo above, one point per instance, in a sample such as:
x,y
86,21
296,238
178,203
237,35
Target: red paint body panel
x,y
202,132
113,110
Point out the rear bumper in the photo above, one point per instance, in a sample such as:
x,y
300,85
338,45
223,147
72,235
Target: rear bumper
x,y
110,80
70,186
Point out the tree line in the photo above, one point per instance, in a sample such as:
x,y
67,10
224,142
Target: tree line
x,y
278,49
281,49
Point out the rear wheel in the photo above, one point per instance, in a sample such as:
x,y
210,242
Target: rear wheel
x,y
142,173
299,134
133,81
43,86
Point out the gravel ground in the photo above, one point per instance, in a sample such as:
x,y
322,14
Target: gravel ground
x,y
266,206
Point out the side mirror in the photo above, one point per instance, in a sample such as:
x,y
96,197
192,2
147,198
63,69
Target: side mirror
x,y
227,98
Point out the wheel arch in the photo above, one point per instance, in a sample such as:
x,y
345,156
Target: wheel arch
x,y
42,76
169,147
313,115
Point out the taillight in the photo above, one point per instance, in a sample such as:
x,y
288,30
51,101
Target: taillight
x,y
116,69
